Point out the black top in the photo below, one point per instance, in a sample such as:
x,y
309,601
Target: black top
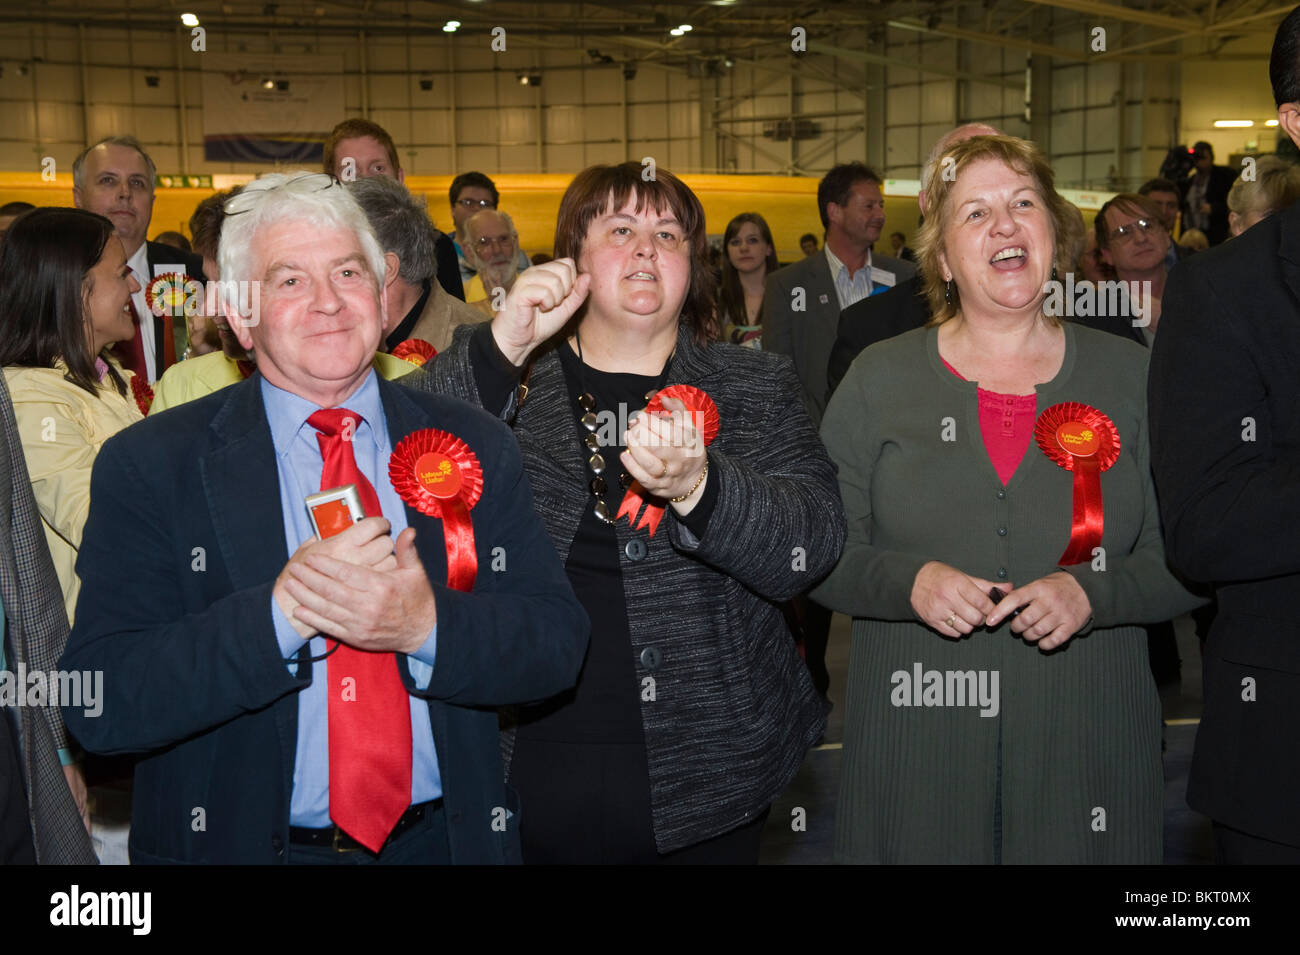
x,y
448,266
604,706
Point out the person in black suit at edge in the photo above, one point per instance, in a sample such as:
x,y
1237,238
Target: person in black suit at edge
x,y
1205,195
115,178
303,700
1225,449
902,308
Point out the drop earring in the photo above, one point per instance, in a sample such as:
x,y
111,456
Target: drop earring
x,y
947,292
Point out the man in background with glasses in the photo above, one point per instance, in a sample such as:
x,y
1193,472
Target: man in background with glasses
x,y
1132,239
471,193
492,245
309,700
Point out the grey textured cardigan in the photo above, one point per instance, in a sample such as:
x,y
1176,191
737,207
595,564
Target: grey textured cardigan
x,y
734,710
1077,730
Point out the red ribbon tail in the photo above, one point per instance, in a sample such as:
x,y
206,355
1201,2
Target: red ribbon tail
x,y
1088,518
462,558
631,505
651,518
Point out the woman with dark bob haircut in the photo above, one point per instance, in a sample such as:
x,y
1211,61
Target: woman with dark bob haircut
x,y
1004,548
693,710
64,298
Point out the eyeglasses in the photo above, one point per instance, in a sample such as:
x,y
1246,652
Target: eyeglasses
x,y
1126,232
307,183
488,241
481,203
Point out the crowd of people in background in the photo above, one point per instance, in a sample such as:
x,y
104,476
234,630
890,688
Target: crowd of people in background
x,y
922,441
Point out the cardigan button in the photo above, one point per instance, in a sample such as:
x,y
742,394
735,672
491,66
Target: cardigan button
x,y
650,658
1002,532
635,549
1002,573
1002,495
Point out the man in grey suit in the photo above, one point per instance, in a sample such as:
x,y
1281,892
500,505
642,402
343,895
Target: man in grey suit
x,y
802,302
39,818
801,311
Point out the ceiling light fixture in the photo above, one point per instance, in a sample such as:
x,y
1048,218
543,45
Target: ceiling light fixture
x,y
189,19
1233,123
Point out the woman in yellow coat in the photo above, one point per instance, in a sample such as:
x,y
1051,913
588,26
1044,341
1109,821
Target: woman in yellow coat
x,y
65,297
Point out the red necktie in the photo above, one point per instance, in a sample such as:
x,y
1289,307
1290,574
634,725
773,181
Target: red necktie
x,y
369,708
131,354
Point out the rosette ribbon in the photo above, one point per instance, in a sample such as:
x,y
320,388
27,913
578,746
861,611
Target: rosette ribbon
x,y
437,474
142,394
165,296
1085,441
415,350
707,421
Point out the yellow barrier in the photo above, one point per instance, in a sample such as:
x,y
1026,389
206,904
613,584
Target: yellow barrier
x,y
789,204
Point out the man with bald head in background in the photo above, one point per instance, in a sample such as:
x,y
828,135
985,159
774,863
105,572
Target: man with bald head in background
x,y
903,307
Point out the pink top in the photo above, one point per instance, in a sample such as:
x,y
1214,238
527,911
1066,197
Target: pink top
x,y
1007,426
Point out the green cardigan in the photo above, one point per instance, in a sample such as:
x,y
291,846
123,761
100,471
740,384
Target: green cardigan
x,y
1070,749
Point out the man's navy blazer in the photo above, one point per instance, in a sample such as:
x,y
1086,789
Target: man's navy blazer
x,y
181,550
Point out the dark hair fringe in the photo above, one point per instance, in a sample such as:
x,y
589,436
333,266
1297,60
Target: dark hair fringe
x,y
44,264
599,189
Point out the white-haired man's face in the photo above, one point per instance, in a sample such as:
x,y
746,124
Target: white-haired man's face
x,y
321,308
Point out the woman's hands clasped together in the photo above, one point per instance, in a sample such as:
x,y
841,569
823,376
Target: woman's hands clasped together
x,y
1051,609
665,453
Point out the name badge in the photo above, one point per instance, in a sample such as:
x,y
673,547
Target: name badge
x,y
881,277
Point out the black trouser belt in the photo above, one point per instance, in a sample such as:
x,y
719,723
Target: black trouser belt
x,y
335,838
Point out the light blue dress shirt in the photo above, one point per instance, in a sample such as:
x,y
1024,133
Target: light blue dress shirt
x,y
849,290
299,464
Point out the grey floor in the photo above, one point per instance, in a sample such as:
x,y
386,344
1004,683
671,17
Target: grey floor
x,y
1188,839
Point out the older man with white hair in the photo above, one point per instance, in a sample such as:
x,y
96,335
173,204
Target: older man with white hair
x,y
492,246
419,308
313,681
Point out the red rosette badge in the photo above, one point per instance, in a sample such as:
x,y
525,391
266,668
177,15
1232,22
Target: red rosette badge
x,y
165,296
707,421
142,394
1085,441
415,350
437,474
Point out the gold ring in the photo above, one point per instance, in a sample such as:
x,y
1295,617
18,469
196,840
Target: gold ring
x,y
952,621
665,470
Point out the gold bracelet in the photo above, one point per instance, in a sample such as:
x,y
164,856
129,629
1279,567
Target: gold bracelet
x,y
698,482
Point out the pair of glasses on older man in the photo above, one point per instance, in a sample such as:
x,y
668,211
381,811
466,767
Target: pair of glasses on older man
x,y
1126,232
252,194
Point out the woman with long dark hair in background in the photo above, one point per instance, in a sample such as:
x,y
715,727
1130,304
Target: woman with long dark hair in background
x,y
750,257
